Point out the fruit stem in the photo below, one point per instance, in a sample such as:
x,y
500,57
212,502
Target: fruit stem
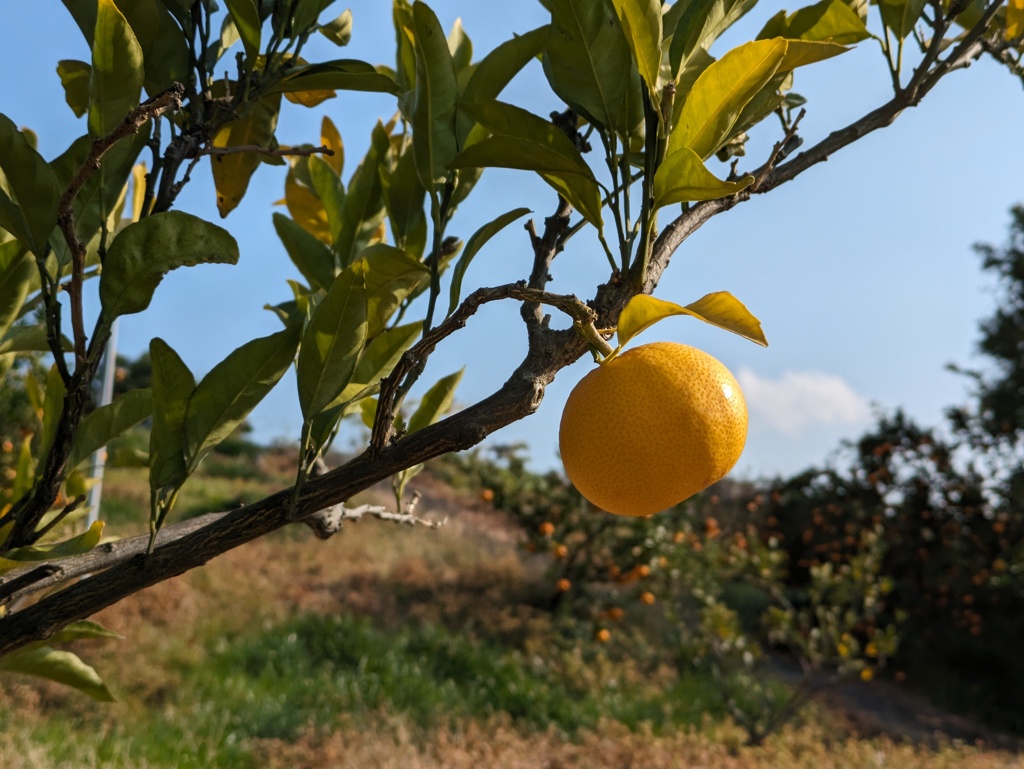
x,y
598,344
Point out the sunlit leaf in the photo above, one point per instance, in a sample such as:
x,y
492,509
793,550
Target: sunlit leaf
x,y
303,204
145,251
22,339
720,309
329,189
53,405
1014,20
24,470
332,341
683,177
477,241
82,629
829,21
74,76
173,385
718,97
698,24
435,402
641,22
403,198
331,138
60,666
105,423
117,72
76,545
338,31
233,388
231,173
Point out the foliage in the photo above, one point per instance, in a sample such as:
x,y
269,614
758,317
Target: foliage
x,y
719,595
373,246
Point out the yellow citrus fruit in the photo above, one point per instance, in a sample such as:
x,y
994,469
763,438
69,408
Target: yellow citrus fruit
x,y
651,427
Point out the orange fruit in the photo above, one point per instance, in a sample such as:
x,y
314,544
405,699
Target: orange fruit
x,y
603,635
561,551
651,427
564,585
647,598
546,529
487,495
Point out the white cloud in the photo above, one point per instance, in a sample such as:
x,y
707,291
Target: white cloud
x,y
800,399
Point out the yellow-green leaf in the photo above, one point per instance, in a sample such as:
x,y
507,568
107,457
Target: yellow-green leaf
x,y
1014,20
117,74
231,173
61,666
330,138
719,95
436,98
720,309
83,543
641,22
683,177
435,402
74,76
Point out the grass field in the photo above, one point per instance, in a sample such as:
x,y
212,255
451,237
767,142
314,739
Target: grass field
x,y
389,647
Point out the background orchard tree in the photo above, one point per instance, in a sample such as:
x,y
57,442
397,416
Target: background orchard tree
x,y
647,104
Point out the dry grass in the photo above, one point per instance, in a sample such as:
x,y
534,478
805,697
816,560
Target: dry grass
x,y
468,576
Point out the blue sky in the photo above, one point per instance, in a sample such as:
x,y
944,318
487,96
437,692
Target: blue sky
x,y
860,270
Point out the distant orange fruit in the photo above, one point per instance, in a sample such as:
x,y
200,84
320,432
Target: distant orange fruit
x,y
563,585
603,635
546,529
616,613
487,495
647,598
651,427
561,551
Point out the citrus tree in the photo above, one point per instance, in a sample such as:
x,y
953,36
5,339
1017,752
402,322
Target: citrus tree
x,y
649,100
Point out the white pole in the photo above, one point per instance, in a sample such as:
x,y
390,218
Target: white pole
x,y
99,458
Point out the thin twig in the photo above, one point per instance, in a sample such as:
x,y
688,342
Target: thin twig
x,y
779,151
148,110
256,149
330,521
68,509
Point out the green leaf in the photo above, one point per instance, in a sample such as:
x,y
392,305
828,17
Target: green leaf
x,y
331,138
524,140
145,251
377,361
900,16
477,241
173,385
27,339
641,23
77,545
332,341
499,151
165,54
53,405
828,21
233,388
314,260
720,309
247,21
28,200
24,471
435,402
231,173
698,24
435,99
340,75
117,74
683,178
60,666
363,209
17,269
368,411
802,52
95,201
82,629
338,31
497,68
461,49
391,276
589,66
104,424
329,189
74,76
403,198
718,97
